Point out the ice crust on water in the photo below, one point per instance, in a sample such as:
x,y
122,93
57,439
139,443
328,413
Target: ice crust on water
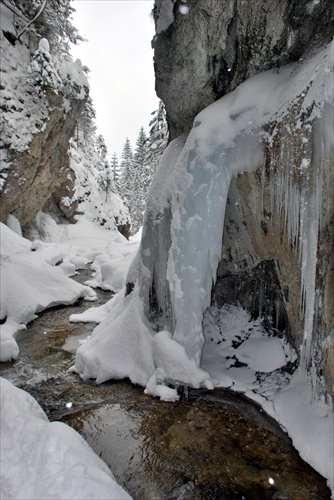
x,y
181,242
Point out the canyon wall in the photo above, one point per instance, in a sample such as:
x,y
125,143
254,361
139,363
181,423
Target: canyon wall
x,y
215,45
277,246
41,174
43,94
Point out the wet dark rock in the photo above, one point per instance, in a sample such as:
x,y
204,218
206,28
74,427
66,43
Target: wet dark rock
x,y
214,445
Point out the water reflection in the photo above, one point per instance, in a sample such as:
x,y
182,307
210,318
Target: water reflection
x,y
196,450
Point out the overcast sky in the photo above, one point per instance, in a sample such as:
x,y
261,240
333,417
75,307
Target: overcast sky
x,y
119,54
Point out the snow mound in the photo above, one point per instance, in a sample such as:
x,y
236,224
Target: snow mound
x,y
262,355
43,460
310,424
134,350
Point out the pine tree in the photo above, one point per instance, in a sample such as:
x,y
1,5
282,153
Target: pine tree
x,y
43,71
86,123
105,180
158,137
139,182
49,19
126,171
116,173
102,151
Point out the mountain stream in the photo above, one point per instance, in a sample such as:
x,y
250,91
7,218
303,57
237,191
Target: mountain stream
x,y
209,445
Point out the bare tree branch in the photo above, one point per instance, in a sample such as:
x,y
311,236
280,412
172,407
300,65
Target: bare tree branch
x,y
32,21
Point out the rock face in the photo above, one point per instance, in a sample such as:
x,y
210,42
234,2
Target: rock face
x,y
216,45
43,93
41,174
200,57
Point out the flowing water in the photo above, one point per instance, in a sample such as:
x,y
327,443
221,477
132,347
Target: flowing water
x,y
209,445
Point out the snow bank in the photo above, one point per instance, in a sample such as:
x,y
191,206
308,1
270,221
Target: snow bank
x,y
35,275
310,424
129,334
42,460
111,268
30,283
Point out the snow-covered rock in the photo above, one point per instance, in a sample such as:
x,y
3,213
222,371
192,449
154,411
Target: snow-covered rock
x,y
40,108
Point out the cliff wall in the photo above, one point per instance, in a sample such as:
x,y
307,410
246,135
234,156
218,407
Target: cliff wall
x,y
275,262
42,97
216,45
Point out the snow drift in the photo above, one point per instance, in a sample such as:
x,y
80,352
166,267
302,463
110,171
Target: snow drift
x,y
42,460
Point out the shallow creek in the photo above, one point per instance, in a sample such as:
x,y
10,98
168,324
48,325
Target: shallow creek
x,y
209,445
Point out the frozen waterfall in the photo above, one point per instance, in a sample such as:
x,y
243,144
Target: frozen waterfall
x,y
182,236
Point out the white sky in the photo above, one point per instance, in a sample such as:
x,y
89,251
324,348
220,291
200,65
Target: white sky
x,y
119,54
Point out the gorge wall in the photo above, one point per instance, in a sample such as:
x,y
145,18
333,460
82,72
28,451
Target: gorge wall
x,y
43,93
279,219
216,45
41,175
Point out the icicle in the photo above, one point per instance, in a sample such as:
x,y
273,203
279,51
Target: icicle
x,y
296,194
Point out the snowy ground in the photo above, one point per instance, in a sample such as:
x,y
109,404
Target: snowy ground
x,y
36,275
235,354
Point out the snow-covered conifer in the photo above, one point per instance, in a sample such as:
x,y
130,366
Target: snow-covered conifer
x,y
101,147
105,180
139,182
42,68
86,123
158,137
116,172
126,170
